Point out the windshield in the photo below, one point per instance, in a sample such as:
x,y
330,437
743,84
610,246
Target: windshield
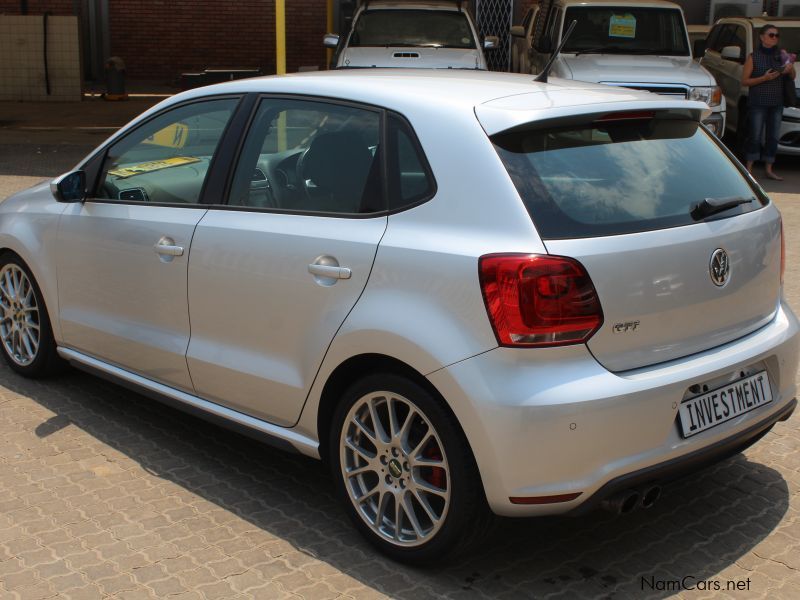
x,y
621,176
427,28
627,30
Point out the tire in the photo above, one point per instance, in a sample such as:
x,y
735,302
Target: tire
x,y
426,464
25,332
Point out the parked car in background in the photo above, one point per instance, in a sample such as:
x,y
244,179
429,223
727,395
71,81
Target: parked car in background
x,y
729,44
466,292
641,44
436,34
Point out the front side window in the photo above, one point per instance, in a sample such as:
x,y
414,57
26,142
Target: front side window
x,y
412,28
310,156
167,159
739,40
713,38
620,176
626,30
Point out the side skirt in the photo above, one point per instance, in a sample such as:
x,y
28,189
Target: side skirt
x,y
274,435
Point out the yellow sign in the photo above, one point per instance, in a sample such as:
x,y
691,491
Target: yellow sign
x,y
172,136
622,26
154,165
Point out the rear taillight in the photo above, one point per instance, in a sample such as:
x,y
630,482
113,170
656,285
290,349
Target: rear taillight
x,y
539,300
783,253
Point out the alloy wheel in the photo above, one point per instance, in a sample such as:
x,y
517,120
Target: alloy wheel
x,y
19,315
395,468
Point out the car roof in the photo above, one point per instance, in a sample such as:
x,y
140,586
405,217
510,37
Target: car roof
x,y
627,3
440,92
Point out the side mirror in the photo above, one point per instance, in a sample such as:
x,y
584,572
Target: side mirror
x,y
70,187
330,40
732,53
517,31
699,48
491,42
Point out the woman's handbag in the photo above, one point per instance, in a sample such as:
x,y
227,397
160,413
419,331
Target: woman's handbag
x,y
789,91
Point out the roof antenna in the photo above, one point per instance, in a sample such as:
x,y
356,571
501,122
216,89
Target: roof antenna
x,y
542,77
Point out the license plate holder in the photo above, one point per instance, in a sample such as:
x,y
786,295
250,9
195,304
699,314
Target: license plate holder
x,y
724,403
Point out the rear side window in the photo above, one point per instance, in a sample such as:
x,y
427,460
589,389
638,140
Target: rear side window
x,y
310,156
410,178
623,176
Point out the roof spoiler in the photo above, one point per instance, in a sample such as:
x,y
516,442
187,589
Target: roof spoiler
x,y
542,77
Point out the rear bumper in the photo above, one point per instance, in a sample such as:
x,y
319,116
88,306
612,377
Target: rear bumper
x,y
556,423
689,463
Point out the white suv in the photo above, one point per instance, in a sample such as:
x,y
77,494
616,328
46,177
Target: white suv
x,y
730,42
639,44
432,35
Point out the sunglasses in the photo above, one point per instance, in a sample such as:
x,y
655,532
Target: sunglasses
x,y
773,35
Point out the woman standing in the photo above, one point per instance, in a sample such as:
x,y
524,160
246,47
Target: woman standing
x,y
763,74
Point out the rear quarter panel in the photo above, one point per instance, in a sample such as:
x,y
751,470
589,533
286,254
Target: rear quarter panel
x,y
423,303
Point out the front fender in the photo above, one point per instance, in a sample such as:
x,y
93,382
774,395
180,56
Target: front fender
x,y
29,227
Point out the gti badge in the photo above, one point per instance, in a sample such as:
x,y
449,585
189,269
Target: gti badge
x,y
625,327
720,267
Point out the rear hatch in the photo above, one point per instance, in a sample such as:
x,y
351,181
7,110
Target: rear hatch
x,y
620,193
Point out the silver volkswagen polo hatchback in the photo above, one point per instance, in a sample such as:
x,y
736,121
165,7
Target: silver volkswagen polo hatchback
x,y
468,293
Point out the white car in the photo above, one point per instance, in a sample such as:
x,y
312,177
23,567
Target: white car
x,y
729,44
436,34
642,44
468,293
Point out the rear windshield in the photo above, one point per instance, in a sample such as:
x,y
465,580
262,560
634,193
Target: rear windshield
x,y
412,28
623,176
628,29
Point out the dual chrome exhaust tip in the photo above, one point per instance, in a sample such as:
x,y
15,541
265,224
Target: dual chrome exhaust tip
x,y
626,501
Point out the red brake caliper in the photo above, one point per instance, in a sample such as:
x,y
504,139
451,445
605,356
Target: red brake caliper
x,y
436,476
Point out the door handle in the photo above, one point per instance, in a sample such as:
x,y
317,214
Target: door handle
x,y
329,271
166,248
169,250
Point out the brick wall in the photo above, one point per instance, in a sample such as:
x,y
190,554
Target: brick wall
x,y
160,39
38,7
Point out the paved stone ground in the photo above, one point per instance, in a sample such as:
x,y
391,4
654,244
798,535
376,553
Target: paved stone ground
x,y
106,494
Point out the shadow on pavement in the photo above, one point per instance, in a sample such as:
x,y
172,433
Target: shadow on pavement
x,y
701,525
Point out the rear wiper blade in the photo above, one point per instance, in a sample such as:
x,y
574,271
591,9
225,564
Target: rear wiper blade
x,y
712,206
